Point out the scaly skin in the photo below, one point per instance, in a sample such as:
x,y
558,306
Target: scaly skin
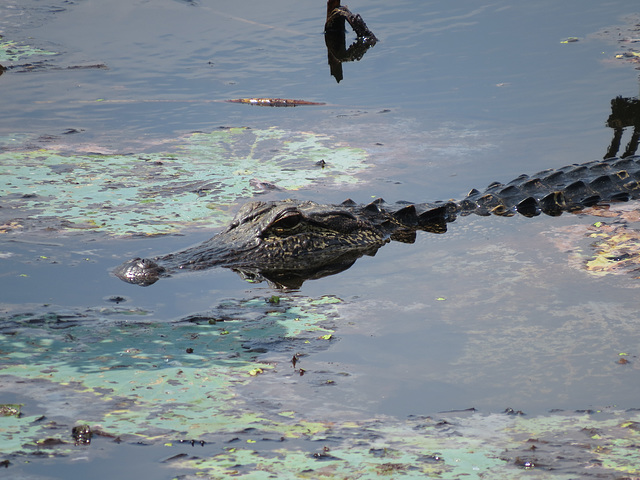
x,y
290,241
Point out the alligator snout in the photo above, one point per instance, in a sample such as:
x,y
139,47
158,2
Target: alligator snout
x,y
140,271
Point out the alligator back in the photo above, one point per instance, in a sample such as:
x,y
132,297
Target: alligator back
x,y
567,189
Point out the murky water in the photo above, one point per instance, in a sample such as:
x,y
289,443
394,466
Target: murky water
x,y
493,314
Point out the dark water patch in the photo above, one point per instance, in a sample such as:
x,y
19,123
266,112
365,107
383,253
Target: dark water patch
x,y
75,270
103,459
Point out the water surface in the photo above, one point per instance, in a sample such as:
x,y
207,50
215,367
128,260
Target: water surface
x,y
490,315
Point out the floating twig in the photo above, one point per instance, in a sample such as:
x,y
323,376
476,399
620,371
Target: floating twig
x,y
273,102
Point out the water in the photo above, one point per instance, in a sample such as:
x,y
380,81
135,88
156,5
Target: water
x,y
491,315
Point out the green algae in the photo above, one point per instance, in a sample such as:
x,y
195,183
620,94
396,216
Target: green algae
x,y
197,183
148,380
452,446
10,409
138,380
11,51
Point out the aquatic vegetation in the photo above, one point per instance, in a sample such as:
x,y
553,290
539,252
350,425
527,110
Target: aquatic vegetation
x,y
273,102
605,247
194,184
144,380
11,51
116,373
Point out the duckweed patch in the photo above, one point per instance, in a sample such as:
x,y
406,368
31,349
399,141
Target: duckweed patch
x,y
607,247
562,445
11,51
194,184
174,384
144,380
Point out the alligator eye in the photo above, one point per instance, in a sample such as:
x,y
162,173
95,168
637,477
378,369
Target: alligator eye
x,y
288,222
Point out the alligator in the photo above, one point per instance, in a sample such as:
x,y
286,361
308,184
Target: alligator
x,y
289,241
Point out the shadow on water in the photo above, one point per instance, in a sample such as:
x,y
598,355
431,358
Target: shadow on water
x,y
335,38
442,356
625,112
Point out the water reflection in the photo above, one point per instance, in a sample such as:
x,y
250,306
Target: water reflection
x,y
625,112
335,38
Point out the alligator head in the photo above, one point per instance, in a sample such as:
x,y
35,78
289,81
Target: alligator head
x,y
289,241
